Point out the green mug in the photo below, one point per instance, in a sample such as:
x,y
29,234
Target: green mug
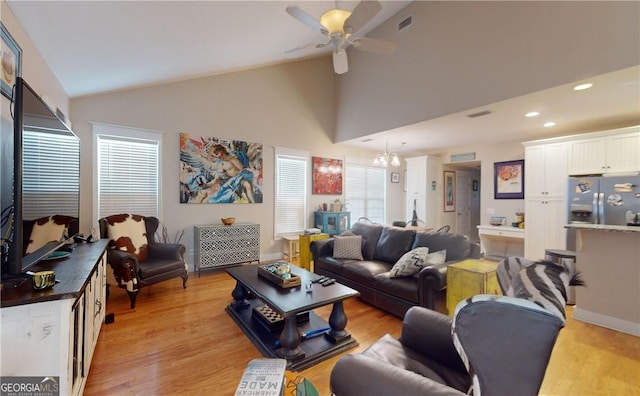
x,y
43,279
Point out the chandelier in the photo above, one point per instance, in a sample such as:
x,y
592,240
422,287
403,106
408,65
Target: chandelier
x,y
386,158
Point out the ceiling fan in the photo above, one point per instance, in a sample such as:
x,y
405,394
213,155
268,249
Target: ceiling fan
x,y
341,27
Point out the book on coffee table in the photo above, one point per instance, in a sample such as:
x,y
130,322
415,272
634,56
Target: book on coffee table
x,y
264,377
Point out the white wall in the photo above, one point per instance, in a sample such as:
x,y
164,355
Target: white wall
x,y
487,155
35,71
290,105
461,55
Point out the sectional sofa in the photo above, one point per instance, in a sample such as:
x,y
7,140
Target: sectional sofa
x,y
383,249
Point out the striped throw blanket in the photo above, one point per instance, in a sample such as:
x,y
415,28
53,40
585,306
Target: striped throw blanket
x,y
543,282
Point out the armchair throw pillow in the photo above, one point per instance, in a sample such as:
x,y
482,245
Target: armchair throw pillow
x,y
129,233
348,247
410,263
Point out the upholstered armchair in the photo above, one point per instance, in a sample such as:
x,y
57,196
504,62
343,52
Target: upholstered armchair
x,y
135,258
494,345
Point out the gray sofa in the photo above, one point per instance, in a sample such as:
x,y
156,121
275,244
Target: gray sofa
x,y
382,247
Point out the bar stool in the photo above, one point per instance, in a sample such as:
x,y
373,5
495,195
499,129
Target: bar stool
x,y
560,257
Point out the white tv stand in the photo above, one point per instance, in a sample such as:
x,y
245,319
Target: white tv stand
x,y
53,333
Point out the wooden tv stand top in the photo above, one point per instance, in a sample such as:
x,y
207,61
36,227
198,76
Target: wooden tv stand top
x,y
73,272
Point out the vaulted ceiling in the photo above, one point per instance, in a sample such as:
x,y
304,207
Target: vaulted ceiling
x,y
101,46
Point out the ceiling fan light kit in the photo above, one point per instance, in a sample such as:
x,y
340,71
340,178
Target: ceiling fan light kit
x,y
334,19
341,27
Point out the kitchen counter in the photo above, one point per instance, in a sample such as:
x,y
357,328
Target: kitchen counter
x,y
608,259
603,227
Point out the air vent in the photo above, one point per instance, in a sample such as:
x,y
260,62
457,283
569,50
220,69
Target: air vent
x,y
405,23
479,114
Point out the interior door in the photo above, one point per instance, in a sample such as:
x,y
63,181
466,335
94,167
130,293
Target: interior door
x,y
463,203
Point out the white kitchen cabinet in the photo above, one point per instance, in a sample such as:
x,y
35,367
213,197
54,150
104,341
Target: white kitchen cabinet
x,y
417,176
549,162
545,197
54,333
609,152
545,170
424,188
545,219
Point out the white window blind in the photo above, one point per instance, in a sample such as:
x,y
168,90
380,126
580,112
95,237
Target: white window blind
x,y
291,191
128,175
51,179
365,192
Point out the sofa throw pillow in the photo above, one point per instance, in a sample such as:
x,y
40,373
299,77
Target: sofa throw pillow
x,y
410,263
434,258
348,247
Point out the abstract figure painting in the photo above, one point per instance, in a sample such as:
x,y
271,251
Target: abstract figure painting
x,y
215,170
327,176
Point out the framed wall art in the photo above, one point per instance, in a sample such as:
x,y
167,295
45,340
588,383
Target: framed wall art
x,y
11,62
327,176
215,170
508,179
449,191
395,177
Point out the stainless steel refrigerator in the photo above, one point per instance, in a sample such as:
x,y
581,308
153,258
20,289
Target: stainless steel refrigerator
x,y
603,200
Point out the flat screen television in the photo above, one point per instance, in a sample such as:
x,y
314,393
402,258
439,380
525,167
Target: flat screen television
x,y
44,154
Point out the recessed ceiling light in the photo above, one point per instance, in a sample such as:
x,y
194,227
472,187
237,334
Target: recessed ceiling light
x,y
582,87
532,114
549,124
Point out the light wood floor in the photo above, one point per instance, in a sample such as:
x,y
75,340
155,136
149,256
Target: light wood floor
x,y
182,342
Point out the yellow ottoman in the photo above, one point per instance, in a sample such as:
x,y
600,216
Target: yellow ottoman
x,y
305,249
470,277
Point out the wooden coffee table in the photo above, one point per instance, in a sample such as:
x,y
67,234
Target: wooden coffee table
x,y
294,306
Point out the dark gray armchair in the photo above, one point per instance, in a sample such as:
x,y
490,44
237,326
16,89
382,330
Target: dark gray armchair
x,y
136,258
495,345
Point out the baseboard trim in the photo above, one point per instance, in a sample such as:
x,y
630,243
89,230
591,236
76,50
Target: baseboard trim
x,y
609,322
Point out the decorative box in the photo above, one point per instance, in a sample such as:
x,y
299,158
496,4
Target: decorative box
x,y
293,281
272,320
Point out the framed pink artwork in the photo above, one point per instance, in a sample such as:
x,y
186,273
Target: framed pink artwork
x,y
327,176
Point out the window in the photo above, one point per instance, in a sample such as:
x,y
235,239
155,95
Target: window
x,y
50,172
128,170
365,192
291,191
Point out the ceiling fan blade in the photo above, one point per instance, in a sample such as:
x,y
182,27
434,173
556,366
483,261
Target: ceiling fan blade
x,y
340,63
307,19
304,47
363,13
375,46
